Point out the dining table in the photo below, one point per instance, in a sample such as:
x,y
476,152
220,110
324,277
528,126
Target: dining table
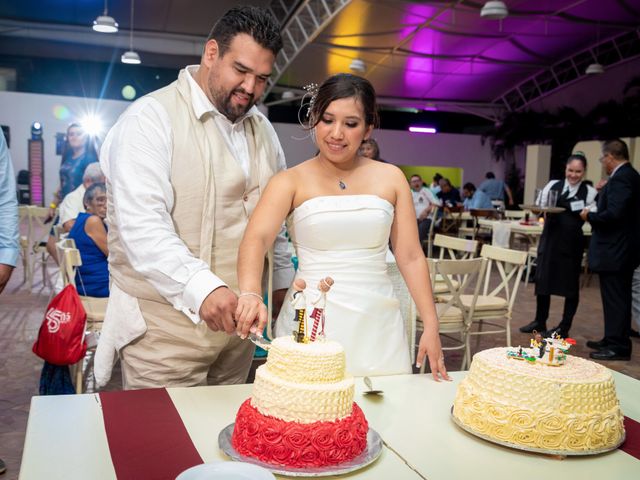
x,y
83,437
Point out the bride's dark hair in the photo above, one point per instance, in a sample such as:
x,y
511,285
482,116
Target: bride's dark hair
x,y
344,85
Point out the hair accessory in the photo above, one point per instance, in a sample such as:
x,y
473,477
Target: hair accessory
x,y
312,93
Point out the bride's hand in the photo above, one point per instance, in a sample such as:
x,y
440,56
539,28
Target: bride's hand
x,y
430,345
251,315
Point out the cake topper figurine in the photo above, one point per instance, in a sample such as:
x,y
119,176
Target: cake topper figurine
x,y
299,303
318,310
548,351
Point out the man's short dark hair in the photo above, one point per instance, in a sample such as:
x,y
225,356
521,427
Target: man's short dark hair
x,y
257,22
437,177
616,148
469,186
490,175
415,175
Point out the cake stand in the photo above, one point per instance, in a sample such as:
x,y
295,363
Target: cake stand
x,y
561,454
368,456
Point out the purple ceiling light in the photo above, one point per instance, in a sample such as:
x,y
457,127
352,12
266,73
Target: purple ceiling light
x,y
420,129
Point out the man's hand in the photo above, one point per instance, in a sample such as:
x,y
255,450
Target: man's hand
x,y
218,310
5,274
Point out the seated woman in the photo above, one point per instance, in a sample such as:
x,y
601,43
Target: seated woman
x,y
90,234
341,209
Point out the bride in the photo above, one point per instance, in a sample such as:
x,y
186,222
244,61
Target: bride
x,y
341,209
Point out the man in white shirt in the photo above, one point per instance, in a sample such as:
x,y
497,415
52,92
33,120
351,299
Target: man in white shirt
x,y
185,166
73,204
423,202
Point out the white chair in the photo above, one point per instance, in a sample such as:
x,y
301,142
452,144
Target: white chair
x,y
95,308
494,306
452,248
36,250
454,315
434,219
24,227
407,306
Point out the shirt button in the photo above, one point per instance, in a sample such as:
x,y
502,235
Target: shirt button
x,y
245,198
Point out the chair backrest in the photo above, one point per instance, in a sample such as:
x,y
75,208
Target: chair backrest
x,y
509,264
38,230
470,273
455,248
407,307
515,214
434,217
70,260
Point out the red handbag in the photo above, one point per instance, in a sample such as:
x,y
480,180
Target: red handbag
x,y
61,337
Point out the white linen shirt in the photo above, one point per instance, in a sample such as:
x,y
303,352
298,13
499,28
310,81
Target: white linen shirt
x,y
72,205
136,160
422,199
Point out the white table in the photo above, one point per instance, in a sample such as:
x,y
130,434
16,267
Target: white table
x,y
66,437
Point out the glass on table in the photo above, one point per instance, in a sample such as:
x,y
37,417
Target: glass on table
x,y
552,198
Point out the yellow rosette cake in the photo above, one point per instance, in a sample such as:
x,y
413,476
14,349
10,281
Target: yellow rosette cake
x,y
568,408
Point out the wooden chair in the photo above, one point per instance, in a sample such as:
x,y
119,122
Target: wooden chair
x,y
432,228
37,236
407,306
95,308
455,316
452,248
24,227
451,219
494,306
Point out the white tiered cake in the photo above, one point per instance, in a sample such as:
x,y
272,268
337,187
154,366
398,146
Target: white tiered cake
x,y
301,412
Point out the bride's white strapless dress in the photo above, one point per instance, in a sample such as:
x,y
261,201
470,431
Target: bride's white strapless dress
x,y
346,237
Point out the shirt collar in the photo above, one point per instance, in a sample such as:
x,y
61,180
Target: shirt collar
x,y
616,169
201,103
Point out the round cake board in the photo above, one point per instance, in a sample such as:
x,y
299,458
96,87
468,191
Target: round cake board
x,y
557,454
368,456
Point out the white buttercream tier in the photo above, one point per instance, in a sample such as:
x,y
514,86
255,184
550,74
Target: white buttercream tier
x,y
570,408
303,403
315,362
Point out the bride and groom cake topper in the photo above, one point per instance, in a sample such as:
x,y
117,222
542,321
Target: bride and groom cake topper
x,y
301,299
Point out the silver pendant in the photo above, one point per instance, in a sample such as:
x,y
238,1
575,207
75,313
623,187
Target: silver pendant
x,y
341,184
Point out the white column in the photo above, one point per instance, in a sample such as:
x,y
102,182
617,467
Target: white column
x,y
538,165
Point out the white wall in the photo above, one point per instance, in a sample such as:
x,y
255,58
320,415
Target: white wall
x,y
20,110
404,148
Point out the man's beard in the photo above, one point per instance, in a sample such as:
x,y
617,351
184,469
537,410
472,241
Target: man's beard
x,y
225,105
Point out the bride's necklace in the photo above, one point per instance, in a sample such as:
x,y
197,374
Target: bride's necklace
x,y
341,183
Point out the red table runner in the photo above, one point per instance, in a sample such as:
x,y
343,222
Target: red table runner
x,y
631,444
146,436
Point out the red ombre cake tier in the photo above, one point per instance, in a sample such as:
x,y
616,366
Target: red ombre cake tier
x,y
292,444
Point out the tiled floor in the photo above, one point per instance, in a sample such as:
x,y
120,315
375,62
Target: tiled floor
x,y
21,313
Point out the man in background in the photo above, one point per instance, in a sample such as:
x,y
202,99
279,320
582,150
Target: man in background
x,y
448,194
73,204
614,251
496,189
9,235
423,202
475,199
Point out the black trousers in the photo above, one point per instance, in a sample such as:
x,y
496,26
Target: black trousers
x,y
570,307
615,289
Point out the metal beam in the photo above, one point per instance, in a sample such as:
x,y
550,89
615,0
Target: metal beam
x,y
610,52
302,23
